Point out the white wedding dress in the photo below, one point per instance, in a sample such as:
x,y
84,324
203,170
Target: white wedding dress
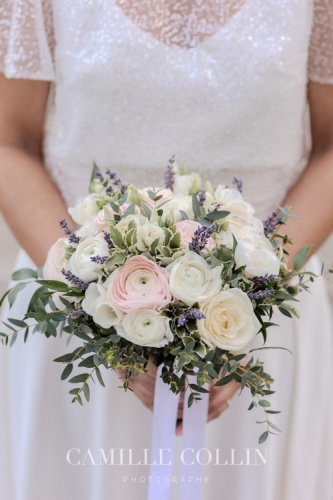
x,y
221,84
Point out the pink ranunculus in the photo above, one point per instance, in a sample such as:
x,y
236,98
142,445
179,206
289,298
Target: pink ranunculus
x,y
187,228
56,261
140,283
166,194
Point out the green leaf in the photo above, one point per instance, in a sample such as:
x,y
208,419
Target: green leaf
x,y
225,380
264,403
301,257
217,214
12,340
99,377
79,378
285,312
13,292
129,210
183,214
66,358
67,371
18,322
3,297
275,427
58,286
147,210
26,333
116,237
24,274
87,362
196,206
94,171
86,392
263,437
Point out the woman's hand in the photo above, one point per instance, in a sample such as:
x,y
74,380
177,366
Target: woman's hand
x,y
143,385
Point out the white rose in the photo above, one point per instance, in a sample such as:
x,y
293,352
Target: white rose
x,y
55,261
232,200
149,233
123,224
80,262
239,226
176,204
85,208
257,254
95,304
192,280
145,327
230,322
187,184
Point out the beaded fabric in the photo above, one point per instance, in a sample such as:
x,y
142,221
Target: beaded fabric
x,y
220,84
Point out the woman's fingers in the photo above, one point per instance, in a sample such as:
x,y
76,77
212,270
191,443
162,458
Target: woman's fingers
x,y
219,398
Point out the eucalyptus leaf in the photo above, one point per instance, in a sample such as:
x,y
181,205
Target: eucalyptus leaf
x,y
301,257
24,274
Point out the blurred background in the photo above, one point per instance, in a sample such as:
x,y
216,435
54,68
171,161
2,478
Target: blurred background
x,y
9,249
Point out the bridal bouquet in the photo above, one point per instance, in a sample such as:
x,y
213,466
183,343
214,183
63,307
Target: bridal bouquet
x,y
184,274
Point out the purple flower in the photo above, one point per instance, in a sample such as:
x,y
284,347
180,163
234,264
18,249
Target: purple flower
x,y
83,285
107,238
202,197
238,184
201,237
98,259
72,238
116,181
216,206
263,280
75,312
261,294
271,224
189,314
169,176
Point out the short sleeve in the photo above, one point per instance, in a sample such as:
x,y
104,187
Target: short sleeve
x,y
26,39
321,43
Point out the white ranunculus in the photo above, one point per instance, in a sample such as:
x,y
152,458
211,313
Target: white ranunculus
x,y
231,199
149,233
55,261
123,224
85,208
187,184
230,322
95,304
145,327
80,262
192,280
257,254
176,204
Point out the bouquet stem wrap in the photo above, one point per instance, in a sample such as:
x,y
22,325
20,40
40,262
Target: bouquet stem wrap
x,y
164,424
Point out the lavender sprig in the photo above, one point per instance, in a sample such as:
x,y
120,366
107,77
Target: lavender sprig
x,y
98,259
191,313
201,237
216,206
75,312
107,238
263,280
103,181
116,181
72,238
261,294
238,184
169,176
271,224
202,197
75,280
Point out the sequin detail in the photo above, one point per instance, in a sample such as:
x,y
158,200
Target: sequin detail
x,y
183,23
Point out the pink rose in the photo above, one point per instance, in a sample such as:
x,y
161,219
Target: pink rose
x,y
140,283
100,221
187,228
166,194
55,261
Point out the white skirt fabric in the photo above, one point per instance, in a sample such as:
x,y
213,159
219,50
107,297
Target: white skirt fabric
x,y
41,431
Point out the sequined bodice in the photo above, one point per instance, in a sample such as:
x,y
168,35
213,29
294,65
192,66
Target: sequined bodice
x,y
222,85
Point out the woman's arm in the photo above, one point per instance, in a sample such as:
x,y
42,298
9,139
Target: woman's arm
x,y
29,200
312,196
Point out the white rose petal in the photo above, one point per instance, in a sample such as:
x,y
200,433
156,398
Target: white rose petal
x,y
149,233
96,305
122,225
145,327
176,204
85,208
80,262
192,280
239,227
230,322
232,200
257,254
187,184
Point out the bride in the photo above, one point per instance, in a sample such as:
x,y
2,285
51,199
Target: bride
x,y
234,88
